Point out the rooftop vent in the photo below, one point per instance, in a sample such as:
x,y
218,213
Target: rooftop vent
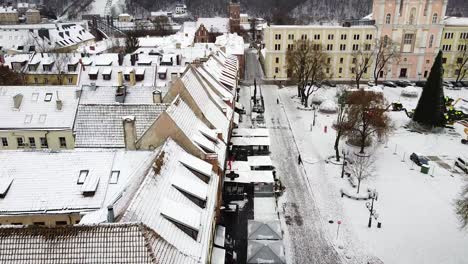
x,y
17,99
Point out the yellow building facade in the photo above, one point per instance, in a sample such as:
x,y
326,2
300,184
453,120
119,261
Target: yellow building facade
x,y
37,139
31,78
453,43
337,41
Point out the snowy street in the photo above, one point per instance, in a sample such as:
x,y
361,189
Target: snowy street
x,y
306,239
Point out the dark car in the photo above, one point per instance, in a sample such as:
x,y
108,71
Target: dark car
x,y
465,83
420,83
329,83
419,160
389,84
403,83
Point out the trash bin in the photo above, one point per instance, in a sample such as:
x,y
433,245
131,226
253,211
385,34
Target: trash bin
x,y
379,225
425,169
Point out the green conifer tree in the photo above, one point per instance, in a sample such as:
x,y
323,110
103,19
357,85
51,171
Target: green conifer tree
x,y
431,105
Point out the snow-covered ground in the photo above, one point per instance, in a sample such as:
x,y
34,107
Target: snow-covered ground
x,y
416,210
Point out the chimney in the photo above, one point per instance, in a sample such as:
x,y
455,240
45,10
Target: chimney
x,y
120,58
119,78
132,77
59,104
17,99
157,96
120,94
129,132
220,135
178,59
110,214
77,94
132,59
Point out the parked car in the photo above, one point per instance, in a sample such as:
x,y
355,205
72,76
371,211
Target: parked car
x,y
462,163
371,83
419,160
329,83
420,83
447,84
389,84
403,83
465,83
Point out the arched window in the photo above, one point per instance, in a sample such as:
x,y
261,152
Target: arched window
x,y
431,41
412,16
387,19
434,18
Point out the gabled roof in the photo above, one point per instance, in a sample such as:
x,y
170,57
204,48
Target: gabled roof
x,y
100,125
269,230
53,182
205,103
37,107
106,95
166,209
104,243
264,251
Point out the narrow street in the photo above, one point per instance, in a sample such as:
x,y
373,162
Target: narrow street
x,y
305,236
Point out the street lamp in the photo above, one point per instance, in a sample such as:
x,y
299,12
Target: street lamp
x,y
373,195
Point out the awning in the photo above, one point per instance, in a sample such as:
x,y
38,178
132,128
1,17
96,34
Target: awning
x,y
250,141
257,161
218,256
220,236
250,132
236,118
252,177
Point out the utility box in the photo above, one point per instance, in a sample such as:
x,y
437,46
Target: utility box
x,y
425,169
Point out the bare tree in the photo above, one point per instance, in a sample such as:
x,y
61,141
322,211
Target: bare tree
x,y
161,25
306,64
462,207
361,61
9,77
385,52
461,64
366,116
60,61
361,167
341,124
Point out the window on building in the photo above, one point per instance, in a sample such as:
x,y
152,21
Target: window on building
x,y
330,47
39,223
446,47
341,60
408,39
356,36
44,143
328,60
291,36
331,36
277,46
355,47
343,36
4,141
317,36
459,60
388,18
278,36
461,47
431,41
412,16
276,70
277,60
444,60
32,142
61,223
343,47
82,176
70,80
290,46
63,142
352,70
435,17
425,74
448,35
368,36
367,47
340,70
464,35
20,142
303,36
328,70
46,81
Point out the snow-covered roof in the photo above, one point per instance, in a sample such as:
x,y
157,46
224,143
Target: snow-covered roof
x,y
266,251
106,95
100,125
43,37
53,182
104,243
264,230
37,107
256,161
164,207
252,177
250,132
250,141
195,130
265,208
218,256
214,24
212,113
456,21
234,43
8,9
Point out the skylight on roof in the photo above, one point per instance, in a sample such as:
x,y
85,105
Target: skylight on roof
x,y
28,118
114,179
35,97
48,97
82,176
90,185
42,118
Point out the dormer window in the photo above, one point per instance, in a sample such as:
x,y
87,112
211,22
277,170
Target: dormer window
x,y
47,67
72,67
32,67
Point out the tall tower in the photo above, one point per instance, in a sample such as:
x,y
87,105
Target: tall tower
x,y
416,27
234,16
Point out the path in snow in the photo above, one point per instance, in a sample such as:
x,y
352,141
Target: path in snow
x,y
306,239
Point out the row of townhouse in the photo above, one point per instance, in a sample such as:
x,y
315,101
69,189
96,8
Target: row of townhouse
x,y
143,182
419,28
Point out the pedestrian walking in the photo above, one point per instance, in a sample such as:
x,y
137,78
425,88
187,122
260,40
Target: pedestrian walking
x,y
299,160
277,100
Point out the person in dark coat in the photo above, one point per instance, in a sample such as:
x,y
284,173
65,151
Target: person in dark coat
x,y
299,160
